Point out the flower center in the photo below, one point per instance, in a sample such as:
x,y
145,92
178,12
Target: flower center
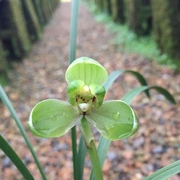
x,y
85,100
85,97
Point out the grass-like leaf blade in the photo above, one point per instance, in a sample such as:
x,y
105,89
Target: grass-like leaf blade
x,y
115,74
82,151
102,149
164,92
6,148
8,104
165,172
128,97
111,78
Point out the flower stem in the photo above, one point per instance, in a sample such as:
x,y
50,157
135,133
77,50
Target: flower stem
x,y
91,148
72,55
73,29
74,151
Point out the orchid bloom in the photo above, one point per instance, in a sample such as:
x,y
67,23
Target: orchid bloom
x,y
114,119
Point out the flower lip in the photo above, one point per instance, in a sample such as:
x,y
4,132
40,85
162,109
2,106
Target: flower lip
x,y
84,106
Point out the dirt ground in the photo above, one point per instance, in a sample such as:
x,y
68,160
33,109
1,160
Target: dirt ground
x,y
41,76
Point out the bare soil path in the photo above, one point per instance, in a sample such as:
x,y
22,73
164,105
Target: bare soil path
x,y
41,76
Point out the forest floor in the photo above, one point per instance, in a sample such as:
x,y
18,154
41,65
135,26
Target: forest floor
x,y
41,75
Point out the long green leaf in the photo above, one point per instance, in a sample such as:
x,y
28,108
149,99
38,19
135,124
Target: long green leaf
x,y
165,172
111,78
103,147
8,104
115,74
128,97
164,92
6,148
72,56
81,157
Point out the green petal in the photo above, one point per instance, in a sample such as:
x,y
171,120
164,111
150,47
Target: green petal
x,y
73,89
87,70
52,118
114,120
99,92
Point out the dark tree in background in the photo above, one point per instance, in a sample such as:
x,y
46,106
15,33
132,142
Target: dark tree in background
x,y
166,26
139,16
117,9
14,33
21,24
32,22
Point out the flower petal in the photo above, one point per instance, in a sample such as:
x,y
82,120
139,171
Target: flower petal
x,y
52,118
99,93
73,89
114,120
87,70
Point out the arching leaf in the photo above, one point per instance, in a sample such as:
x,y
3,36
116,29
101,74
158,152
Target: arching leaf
x,y
11,109
7,149
115,74
128,97
164,92
166,172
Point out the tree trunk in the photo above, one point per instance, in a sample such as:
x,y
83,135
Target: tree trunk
x,y
32,22
21,41
39,12
107,6
166,26
139,16
117,9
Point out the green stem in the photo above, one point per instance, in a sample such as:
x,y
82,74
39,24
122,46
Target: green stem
x,y
73,29
74,151
94,160
91,148
82,151
72,56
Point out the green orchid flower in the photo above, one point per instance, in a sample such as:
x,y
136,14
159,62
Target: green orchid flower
x,y
114,119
